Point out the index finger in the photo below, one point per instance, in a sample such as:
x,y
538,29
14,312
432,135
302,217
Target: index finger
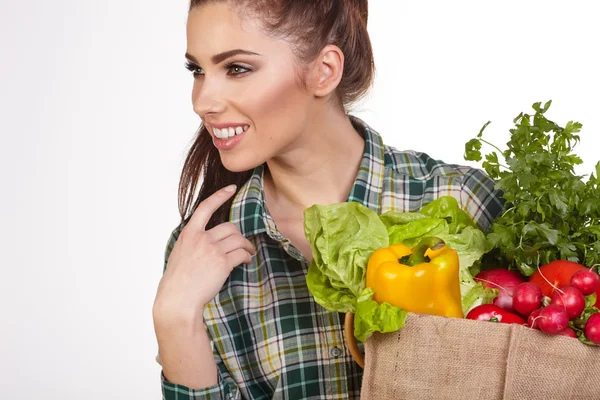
x,y
207,208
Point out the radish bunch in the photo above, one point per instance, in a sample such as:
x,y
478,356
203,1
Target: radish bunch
x,y
567,304
558,315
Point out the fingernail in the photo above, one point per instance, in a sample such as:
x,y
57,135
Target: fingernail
x,y
230,188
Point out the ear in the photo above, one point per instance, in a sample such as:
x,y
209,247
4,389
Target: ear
x,y
328,68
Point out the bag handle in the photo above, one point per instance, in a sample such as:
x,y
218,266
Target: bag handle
x,y
351,340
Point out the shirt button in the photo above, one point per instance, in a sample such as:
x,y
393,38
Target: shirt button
x,y
231,394
336,352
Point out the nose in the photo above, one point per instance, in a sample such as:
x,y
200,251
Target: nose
x,y
207,98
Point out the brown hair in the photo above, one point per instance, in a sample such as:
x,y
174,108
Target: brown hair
x,y
309,25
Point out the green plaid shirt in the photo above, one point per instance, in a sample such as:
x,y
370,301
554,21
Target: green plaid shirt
x,y
271,340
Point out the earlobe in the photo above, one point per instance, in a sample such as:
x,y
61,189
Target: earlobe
x,y
330,67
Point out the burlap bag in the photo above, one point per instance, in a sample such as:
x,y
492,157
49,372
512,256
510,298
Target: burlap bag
x,y
448,358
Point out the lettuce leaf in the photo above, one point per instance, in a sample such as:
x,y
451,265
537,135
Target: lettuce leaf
x,y
447,207
476,295
342,237
411,233
371,317
339,298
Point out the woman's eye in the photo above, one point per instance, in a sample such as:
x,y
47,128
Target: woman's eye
x,y
235,69
232,69
194,69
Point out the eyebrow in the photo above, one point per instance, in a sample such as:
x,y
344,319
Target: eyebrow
x,y
216,59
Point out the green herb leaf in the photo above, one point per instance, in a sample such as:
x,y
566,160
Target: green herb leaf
x,y
590,301
472,150
550,212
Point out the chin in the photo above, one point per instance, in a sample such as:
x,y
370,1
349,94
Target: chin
x,y
239,164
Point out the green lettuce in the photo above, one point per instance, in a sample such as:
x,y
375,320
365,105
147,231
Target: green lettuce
x,y
371,317
447,207
343,236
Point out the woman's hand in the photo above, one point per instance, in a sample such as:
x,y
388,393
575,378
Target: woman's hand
x,y
200,263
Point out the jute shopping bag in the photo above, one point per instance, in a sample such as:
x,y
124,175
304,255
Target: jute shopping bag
x,y
449,358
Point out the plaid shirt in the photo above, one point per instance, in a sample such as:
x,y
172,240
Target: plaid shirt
x,y
271,340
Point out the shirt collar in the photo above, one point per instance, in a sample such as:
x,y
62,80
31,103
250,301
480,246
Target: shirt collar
x,y
249,212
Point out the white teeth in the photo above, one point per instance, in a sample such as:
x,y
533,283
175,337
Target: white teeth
x,y
226,133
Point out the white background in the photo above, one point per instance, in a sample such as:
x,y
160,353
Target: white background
x,y
96,118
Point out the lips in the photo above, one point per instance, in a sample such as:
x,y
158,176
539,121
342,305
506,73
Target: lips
x,y
228,142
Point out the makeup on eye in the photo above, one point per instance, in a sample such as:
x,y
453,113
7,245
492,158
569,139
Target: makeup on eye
x,y
233,68
193,68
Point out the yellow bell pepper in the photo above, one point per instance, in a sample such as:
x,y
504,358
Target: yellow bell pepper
x,y
424,280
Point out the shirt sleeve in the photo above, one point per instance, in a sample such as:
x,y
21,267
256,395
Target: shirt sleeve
x,y
171,391
480,198
225,389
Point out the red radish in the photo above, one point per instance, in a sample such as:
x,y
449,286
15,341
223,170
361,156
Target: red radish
x,y
571,300
586,281
505,281
499,277
527,297
532,320
568,332
592,328
553,319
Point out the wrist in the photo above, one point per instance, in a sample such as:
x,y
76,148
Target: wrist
x,y
167,320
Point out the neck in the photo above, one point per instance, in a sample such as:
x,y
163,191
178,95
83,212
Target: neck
x,y
319,168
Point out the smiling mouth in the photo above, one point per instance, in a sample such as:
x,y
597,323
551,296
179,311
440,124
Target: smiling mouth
x,y
228,137
229,132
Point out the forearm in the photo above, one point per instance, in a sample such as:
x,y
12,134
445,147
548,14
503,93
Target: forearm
x,y
186,355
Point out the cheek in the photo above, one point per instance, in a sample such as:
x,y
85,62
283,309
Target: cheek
x,y
276,106
195,88
195,91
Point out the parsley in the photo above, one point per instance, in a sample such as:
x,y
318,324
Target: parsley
x,y
550,213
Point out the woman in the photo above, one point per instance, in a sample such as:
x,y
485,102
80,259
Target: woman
x,y
272,82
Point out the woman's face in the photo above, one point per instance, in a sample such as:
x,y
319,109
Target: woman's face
x,y
246,87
